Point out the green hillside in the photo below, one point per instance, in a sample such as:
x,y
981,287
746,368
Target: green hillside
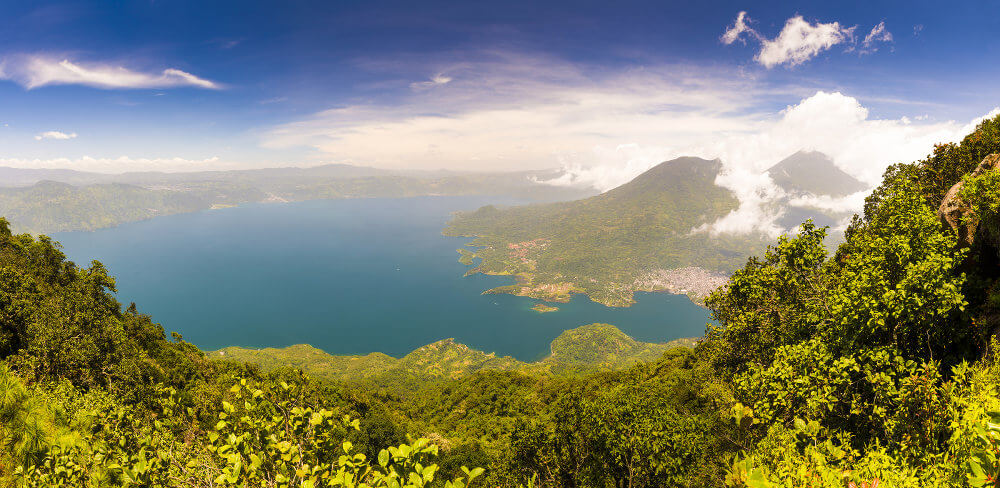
x,y
89,201
587,348
49,206
606,245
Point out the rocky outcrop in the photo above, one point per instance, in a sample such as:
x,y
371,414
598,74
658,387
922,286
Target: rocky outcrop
x,y
953,210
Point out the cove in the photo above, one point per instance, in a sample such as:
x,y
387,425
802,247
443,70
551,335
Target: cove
x,y
347,276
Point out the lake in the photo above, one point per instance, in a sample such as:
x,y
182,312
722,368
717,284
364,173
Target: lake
x,y
347,276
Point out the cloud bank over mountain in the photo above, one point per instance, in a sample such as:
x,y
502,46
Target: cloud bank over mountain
x,y
832,123
603,127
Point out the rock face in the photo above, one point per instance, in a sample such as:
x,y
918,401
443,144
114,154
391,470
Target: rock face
x,y
952,209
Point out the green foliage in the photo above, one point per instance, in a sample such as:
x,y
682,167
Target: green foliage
x,y
52,207
950,162
771,302
584,349
266,437
898,281
857,365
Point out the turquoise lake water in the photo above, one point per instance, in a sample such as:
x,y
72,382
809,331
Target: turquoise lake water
x,y
347,276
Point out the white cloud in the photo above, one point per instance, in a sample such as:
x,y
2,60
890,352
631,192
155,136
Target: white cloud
x,y
832,123
837,125
799,41
877,34
115,165
735,33
38,71
437,80
54,134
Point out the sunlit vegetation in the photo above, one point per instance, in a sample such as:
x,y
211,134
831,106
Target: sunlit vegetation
x,y
588,348
874,365
544,308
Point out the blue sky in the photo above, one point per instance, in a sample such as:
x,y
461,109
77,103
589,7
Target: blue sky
x,y
603,89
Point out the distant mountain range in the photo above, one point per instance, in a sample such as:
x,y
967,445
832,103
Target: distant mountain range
x,y
44,200
639,236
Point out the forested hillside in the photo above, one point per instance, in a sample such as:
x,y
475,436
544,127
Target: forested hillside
x,y
646,235
587,348
611,245
875,365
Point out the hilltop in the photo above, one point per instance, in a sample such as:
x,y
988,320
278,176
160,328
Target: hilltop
x,y
587,348
809,174
813,173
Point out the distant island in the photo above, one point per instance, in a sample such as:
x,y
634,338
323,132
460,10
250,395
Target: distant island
x,y
543,308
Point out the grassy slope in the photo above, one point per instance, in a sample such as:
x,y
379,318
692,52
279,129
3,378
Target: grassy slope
x,y
601,245
587,348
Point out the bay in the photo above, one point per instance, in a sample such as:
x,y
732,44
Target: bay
x,y
347,276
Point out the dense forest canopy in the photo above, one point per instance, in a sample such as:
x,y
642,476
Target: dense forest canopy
x,y
875,365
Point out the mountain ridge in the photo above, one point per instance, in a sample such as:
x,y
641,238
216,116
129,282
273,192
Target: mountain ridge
x,y
589,347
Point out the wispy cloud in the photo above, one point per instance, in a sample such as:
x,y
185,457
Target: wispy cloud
x,y
878,34
741,26
37,71
799,40
54,134
511,111
437,80
273,100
